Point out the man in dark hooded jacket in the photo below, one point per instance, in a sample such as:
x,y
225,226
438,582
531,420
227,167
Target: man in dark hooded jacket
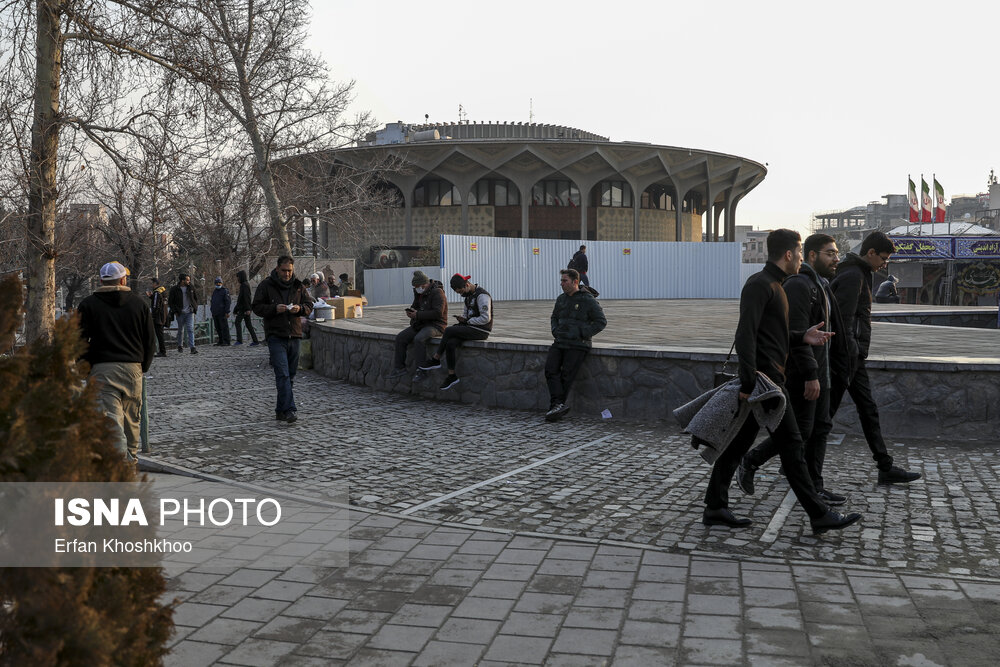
x,y
242,310
852,287
118,328
428,318
281,300
221,303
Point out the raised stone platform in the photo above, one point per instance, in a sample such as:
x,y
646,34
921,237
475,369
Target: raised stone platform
x,y
930,381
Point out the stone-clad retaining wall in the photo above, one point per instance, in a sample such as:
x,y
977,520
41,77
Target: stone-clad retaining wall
x,y
916,399
976,319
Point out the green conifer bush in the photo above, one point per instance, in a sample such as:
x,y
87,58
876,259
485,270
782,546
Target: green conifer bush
x,y
51,430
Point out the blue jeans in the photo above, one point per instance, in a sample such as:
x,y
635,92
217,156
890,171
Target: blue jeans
x,y
185,320
284,354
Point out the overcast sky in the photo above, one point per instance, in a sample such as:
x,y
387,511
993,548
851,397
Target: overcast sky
x,y
841,100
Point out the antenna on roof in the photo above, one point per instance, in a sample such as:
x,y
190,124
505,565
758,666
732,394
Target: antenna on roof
x,y
462,116
531,110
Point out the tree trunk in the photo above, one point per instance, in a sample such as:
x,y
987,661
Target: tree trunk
x,y
41,223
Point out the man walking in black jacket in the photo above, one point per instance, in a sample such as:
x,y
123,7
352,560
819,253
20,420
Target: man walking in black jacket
x,y
852,287
576,318
762,341
281,299
118,328
158,307
580,264
242,310
810,302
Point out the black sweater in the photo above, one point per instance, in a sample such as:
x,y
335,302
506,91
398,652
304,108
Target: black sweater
x,y
852,286
762,335
118,327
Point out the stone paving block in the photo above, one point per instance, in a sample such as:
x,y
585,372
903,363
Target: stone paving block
x,y
194,654
451,577
773,617
714,585
469,630
338,588
368,657
509,572
714,568
723,605
662,573
826,592
913,582
296,660
521,556
574,660
770,597
598,597
544,603
666,559
432,551
333,645
259,653
222,594
316,607
617,563
375,600
446,536
356,620
981,591
255,609
290,629
896,626
609,579
761,579
572,568
193,581
757,660
712,627
378,557
930,600
395,543
482,547
656,611
528,650
818,575
572,552
531,625
496,588
400,582
656,591
826,635
644,656
777,642
415,566
363,572
449,654
699,651
401,637
551,583
877,586
495,609
916,652
421,614
226,631
461,561
196,614
605,618
431,594
665,635
410,530
306,574
588,641
526,542
832,614
886,605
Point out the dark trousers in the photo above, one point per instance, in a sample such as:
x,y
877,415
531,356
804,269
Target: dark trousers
x,y
813,420
561,367
860,389
245,319
790,449
160,342
222,328
284,355
419,339
454,336
584,280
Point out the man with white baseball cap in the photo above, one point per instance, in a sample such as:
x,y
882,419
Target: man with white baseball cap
x,y
118,328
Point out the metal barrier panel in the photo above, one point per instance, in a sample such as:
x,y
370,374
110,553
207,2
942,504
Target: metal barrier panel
x,y
528,269
392,287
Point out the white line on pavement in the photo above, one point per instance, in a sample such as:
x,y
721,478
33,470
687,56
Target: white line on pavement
x,y
778,520
492,480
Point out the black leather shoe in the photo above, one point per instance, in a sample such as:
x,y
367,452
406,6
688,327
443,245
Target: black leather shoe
x,y
832,498
280,416
834,521
744,475
896,475
723,517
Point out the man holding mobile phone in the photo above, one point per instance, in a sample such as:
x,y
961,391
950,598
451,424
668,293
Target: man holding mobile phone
x,y
428,318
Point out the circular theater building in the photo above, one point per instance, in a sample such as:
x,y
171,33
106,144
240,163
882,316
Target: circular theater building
x,y
539,181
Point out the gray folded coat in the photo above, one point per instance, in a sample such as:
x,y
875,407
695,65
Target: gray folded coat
x,y
715,417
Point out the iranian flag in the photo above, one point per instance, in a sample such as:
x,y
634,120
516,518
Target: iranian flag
x,y
939,201
925,200
912,196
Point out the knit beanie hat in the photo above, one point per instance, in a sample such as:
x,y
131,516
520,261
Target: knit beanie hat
x,y
419,278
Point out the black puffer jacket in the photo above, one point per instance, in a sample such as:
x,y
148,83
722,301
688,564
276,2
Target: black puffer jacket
x,y
576,318
431,307
118,327
273,292
852,287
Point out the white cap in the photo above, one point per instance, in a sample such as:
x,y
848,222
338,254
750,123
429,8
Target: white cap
x,y
113,271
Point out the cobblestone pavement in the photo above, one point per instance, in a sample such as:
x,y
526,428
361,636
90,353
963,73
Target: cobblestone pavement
x,y
601,557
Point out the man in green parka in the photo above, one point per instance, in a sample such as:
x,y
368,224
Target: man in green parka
x,y
576,318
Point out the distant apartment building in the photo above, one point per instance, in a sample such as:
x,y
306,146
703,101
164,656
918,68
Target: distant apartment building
x,y
753,244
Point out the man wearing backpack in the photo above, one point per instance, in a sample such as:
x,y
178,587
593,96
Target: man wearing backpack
x,y
580,265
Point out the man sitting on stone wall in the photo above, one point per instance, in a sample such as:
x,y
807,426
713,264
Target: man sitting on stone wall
x,y
428,318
